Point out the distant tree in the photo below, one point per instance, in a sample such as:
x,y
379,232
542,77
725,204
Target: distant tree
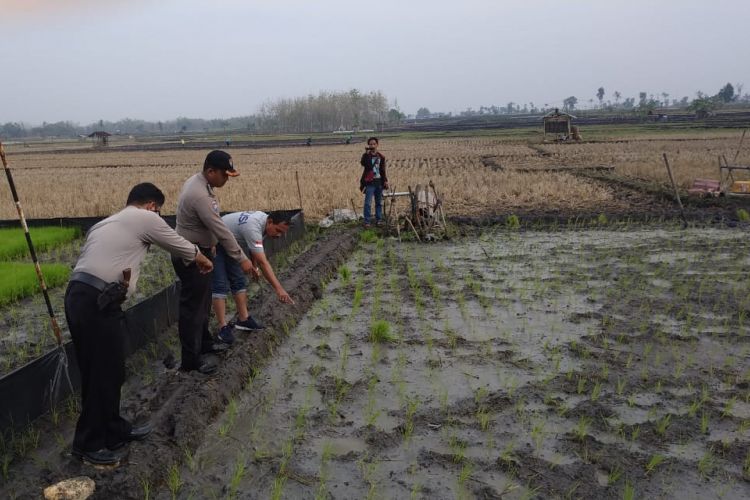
x,y
423,113
12,130
569,103
642,98
726,94
629,103
395,116
665,97
510,107
600,95
617,95
702,105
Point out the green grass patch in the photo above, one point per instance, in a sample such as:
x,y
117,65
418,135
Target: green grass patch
x,y
368,236
18,280
13,241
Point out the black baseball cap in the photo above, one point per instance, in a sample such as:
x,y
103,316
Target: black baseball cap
x,y
221,160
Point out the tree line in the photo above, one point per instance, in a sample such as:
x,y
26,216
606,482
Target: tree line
x,y
326,112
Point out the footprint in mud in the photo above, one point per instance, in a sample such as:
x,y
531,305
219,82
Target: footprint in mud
x,y
324,351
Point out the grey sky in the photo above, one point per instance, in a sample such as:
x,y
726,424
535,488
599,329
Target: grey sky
x,y
78,60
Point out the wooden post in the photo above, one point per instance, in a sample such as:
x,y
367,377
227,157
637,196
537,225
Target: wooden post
x,y
674,186
299,191
739,147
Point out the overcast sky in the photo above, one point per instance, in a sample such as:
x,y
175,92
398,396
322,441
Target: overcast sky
x,y
85,60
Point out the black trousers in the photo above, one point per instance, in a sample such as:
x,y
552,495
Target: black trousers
x,y
98,338
195,307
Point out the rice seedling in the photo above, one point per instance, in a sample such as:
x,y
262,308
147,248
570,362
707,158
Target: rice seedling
x,y
464,474
146,487
614,475
654,462
596,391
581,429
345,274
706,464
628,492
728,407
238,473
174,481
662,424
368,236
380,332
416,491
704,422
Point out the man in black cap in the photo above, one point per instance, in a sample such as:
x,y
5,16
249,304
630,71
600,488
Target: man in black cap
x,y
199,222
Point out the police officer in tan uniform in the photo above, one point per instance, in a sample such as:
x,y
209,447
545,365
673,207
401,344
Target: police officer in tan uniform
x,y
199,222
114,247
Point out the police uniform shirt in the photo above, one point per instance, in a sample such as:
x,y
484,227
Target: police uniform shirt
x,y
122,240
198,218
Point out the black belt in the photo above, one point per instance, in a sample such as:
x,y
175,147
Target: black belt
x,y
88,279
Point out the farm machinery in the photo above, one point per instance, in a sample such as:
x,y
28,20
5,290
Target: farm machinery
x,y
422,213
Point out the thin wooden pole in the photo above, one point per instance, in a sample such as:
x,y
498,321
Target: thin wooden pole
x,y
299,191
740,146
674,186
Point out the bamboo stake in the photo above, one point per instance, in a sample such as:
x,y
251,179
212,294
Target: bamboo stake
x,y
62,361
674,186
39,275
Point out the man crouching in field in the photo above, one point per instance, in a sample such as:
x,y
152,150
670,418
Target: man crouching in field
x,y
105,274
250,228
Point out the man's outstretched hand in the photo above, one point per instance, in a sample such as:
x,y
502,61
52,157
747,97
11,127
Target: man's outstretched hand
x,y
284,297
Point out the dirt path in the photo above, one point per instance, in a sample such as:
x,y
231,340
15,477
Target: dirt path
x,y
178,405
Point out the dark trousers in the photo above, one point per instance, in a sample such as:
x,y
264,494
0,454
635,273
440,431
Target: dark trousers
x,y
98,338
195,306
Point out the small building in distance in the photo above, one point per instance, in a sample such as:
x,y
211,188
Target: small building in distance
x,y
100,138
558,124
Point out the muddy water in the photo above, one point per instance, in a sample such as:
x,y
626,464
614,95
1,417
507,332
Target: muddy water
x,y
583,364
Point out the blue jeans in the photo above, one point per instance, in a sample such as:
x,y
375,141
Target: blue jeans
x,y
377,193
227,275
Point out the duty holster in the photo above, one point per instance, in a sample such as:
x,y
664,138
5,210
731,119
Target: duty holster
x,y
114,293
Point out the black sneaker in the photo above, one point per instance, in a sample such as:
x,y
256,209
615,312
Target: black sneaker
x,y
215,347
226,335
249,325
99,457
207,365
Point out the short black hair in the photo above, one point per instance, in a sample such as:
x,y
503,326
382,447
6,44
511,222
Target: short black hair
x,y
282,216
373,139
145,193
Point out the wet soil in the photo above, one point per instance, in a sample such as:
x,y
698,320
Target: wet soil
x,y
584,364
179,405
